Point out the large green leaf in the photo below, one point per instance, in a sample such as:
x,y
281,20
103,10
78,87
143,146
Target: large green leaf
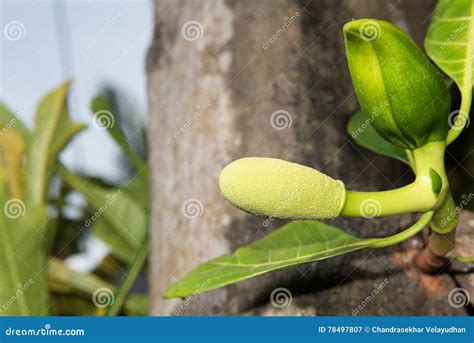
x,y
295,243
23,288
53,130
450,40
118,215
361,130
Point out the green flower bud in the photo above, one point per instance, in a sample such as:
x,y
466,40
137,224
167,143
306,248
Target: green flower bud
x,y
396,84
281,189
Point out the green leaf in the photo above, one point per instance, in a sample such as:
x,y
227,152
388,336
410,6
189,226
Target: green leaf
x,y
450,40
10,121
119,245
450,44
23,288
53,130
23,257
121,219
101,106
361,130
295,243
14,139
139,188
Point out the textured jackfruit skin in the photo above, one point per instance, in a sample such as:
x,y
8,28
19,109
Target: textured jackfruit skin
x,y
280,189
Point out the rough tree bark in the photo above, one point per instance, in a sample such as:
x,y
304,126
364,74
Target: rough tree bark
x,y
212,94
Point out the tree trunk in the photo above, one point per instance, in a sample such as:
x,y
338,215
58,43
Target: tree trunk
x,y
229,79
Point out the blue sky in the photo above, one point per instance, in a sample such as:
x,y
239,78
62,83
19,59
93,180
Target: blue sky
x,y
44,43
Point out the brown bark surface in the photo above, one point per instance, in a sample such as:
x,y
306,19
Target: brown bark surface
x,y
211,102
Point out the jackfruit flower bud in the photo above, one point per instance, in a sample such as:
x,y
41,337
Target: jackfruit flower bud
x,y
280,189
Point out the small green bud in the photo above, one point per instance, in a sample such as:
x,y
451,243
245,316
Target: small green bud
x,y
396,84
281,189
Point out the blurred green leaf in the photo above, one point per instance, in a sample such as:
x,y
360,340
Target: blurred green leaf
x,y
103,109
120,247
8,120
139,188
54,129
117,213
361,130
14,139
23,288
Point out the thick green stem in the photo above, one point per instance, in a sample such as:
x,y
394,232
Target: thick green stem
x,y
415,197
443,225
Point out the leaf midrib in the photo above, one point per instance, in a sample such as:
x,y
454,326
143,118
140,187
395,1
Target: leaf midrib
x,y
300,258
